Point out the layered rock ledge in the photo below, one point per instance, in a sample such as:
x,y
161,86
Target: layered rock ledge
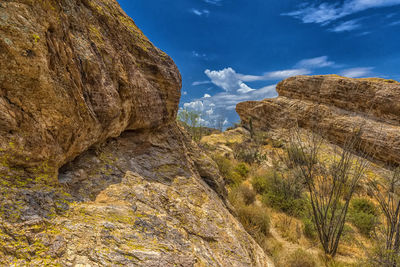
x,y
336,106
94,170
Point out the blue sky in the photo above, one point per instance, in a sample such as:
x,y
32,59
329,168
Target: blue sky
x,y
229,51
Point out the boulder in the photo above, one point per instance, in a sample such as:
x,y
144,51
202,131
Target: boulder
x,y
335,107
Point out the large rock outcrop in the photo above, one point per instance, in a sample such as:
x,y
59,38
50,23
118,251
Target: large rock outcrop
x,y
94,170
74,73
335,106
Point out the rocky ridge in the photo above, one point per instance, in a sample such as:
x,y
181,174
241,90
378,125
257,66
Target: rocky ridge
x,y
94,170
336,106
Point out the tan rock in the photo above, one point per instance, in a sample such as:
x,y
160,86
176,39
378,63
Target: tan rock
x,y
82,88
336,106
72,74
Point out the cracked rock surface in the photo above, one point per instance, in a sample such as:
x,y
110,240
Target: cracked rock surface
x,y
94,170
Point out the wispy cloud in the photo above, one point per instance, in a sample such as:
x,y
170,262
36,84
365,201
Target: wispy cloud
x,y
327,12
198,12
316,62
394,23
349,25
357,72
200,83
213,2
274,75
198,55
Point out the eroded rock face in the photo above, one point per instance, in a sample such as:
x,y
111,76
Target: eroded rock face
x,y
336,106
74,73
150,207
81,88
137,200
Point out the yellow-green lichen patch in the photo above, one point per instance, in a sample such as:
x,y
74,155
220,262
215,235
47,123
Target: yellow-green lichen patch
x,y
96,35
19,246
36,38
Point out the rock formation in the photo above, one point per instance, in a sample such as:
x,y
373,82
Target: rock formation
x,y
336,106
94,170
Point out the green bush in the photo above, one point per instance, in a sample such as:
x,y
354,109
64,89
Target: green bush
x,y
225,166
284,194
242,169
260,183
363,215
309,229
364,205
299,258
365,222
232,174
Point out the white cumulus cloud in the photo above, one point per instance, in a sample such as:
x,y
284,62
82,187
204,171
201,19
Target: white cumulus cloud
x,y
227,79
195,105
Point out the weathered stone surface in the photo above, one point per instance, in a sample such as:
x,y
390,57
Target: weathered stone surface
x,y
81,88
155,209
72,74
336,106
376,97
137,200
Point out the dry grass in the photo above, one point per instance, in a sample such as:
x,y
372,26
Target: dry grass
x,y
287,233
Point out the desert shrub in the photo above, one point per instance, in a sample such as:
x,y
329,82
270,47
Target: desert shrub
x,y
284,194
365,223
309,230
242,169
248,194
260,182
380,256
363,215
234,178
225,166
364,205
299,258
254,218
248,152
232,174
296,155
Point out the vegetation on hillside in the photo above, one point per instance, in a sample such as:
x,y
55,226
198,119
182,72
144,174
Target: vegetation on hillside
x,y
296,198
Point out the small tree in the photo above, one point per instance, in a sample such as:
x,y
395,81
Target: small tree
x,y
387,193
330,183
192,122
183,116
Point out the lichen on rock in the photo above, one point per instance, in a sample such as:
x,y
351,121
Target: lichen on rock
x,y
94,170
